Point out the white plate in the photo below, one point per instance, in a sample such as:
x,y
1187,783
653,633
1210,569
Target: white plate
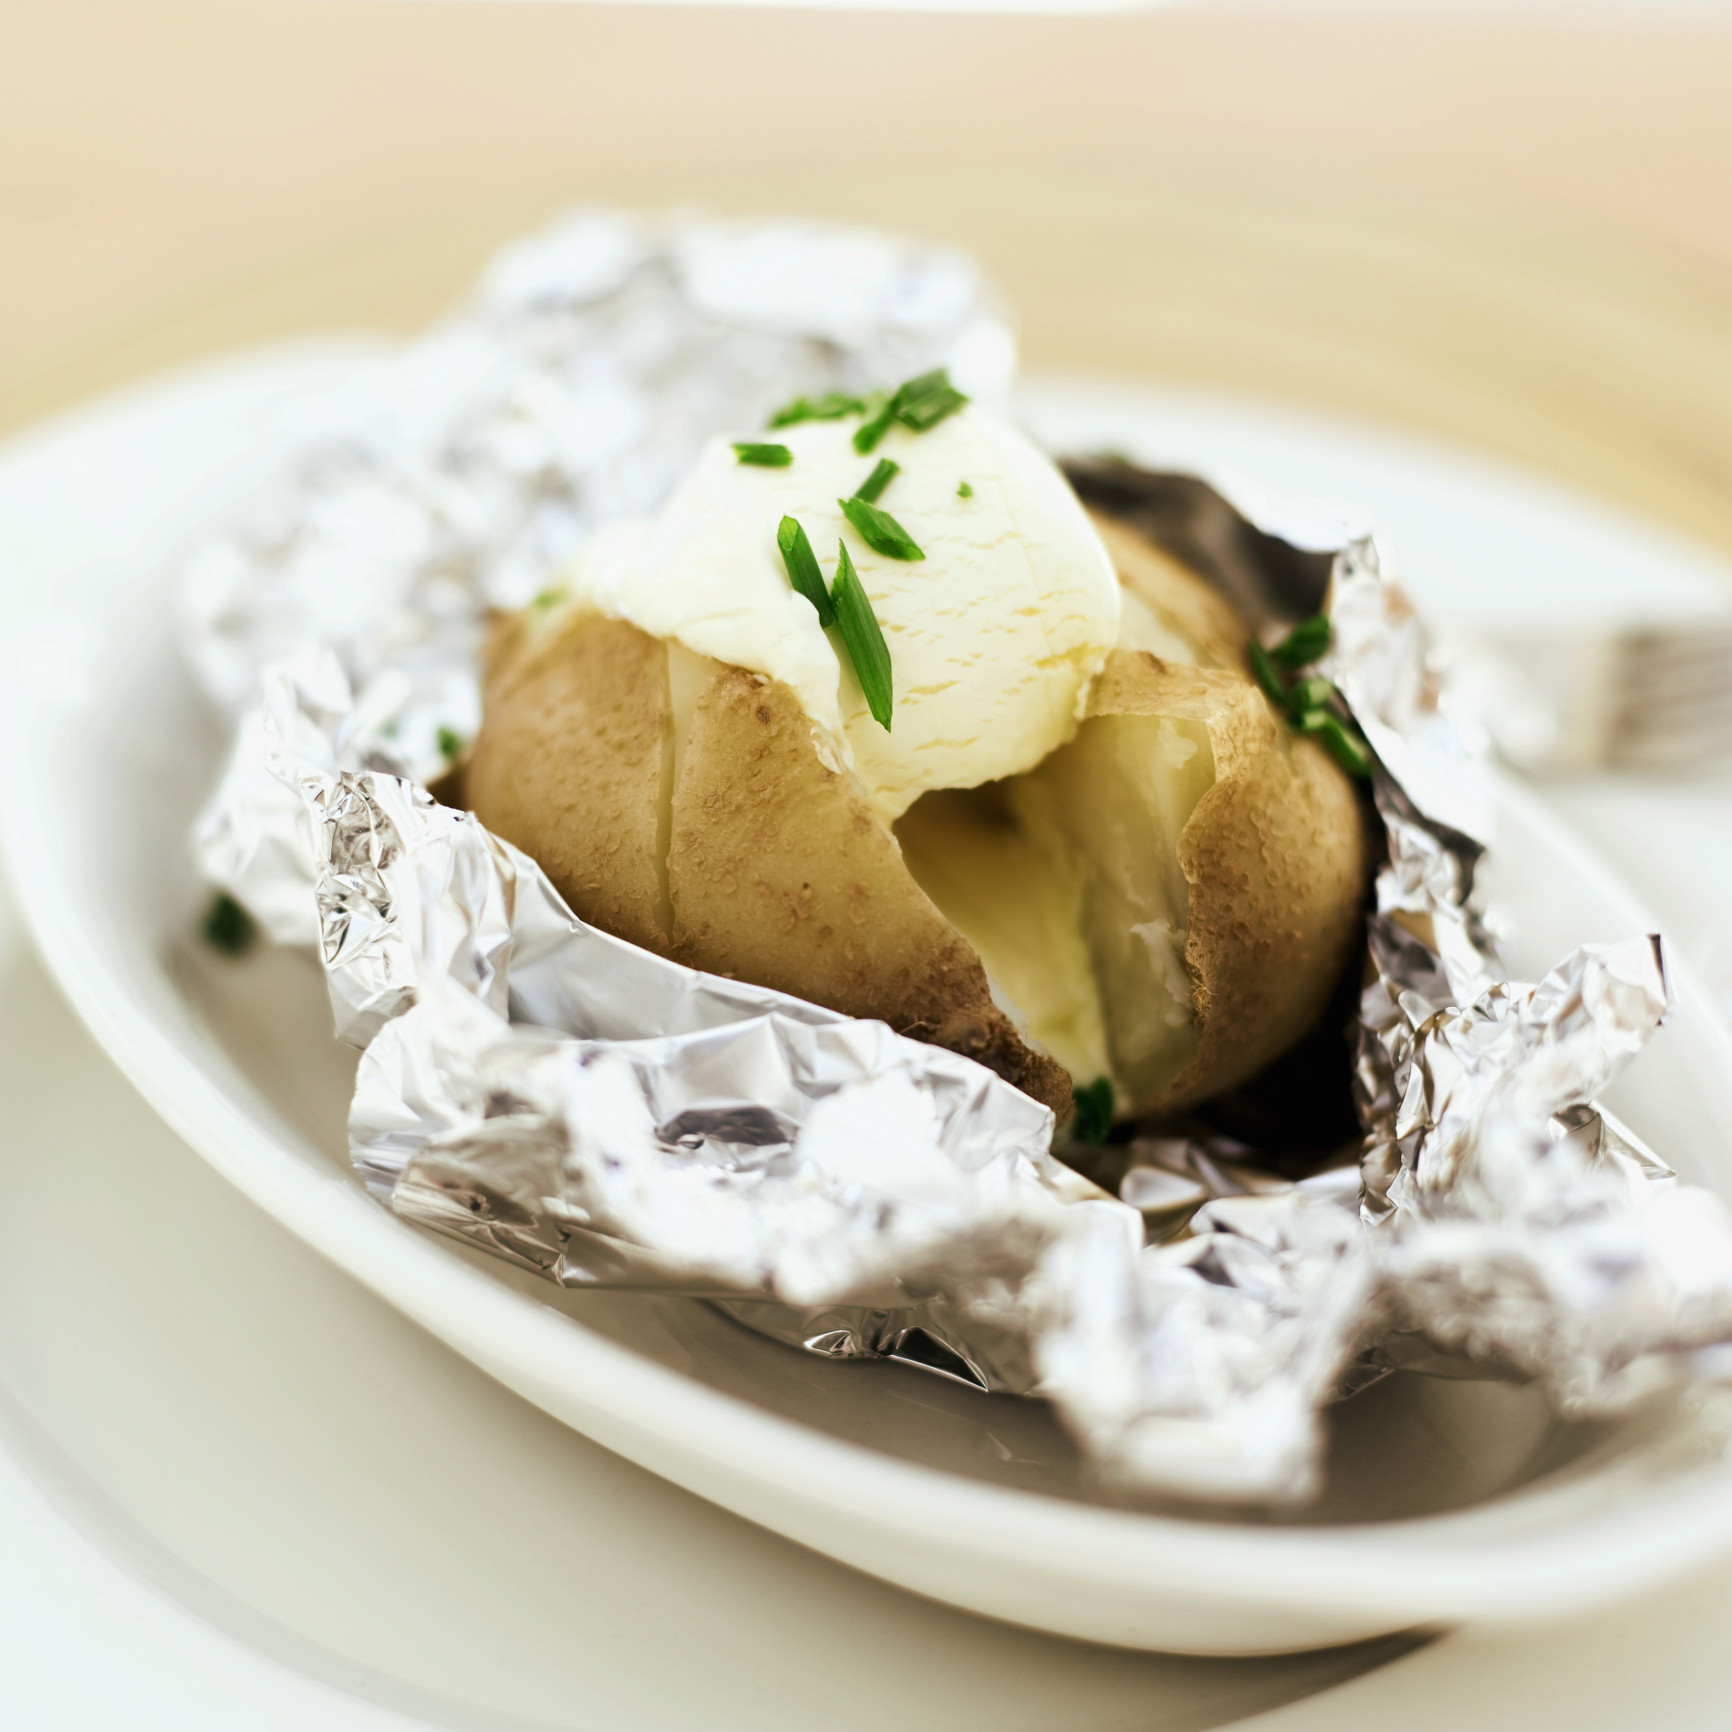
x,y
195,1534
1489,1510
237,1490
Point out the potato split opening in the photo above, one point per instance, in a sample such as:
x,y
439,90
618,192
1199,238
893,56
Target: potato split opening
x,y
1018,902
1067,883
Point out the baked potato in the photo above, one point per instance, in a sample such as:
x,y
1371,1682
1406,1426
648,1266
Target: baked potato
x,y
1165,901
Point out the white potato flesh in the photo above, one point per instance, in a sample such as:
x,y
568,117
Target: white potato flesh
x,y
1067,883
1114,802
1066,879
1018,901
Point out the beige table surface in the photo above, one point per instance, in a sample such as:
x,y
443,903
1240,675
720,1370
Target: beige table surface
x,y
1518,234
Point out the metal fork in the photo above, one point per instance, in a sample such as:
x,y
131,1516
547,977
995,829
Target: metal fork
x,y
1653,698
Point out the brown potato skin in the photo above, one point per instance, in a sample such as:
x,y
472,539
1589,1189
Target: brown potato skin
x,y
759,863
780,873
762,863
1237,715
1199,611
569,765
1275,856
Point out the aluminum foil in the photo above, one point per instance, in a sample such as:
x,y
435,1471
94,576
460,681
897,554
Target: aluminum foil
x,y
607,1118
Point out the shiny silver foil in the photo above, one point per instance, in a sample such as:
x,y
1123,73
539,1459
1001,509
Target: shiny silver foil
x,y
604,1117
610,1118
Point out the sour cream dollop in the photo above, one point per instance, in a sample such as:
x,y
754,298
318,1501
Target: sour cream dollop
x,y
994,637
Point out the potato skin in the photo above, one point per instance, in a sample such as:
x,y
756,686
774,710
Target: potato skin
x,y
1275,855
570,764
780,873
735,848
1200,612
1276,860
759,862
1236,714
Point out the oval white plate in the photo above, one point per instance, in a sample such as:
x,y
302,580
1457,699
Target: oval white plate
x,y
239,1490
1449,1502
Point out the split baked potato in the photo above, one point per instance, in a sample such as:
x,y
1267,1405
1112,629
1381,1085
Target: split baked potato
x,y
1165,901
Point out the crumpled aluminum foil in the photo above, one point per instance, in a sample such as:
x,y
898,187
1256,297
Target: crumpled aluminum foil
x,y
607,1118
1508,1222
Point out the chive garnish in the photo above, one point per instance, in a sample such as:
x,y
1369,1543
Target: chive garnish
x,y
1268,675
1093,1117
1343,744
763,456
922,403
832,406
1304,644
228,927
1311,705
803,572
964,491
862,638
879,530
872,488
450,743
919,404
880,413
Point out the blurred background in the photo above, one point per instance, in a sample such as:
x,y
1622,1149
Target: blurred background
x,y
1507,224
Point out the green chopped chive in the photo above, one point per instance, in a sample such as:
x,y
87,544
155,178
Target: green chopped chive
x,y
879,530
548,598
1343,745
964,491
880,414
803,572
919,404
832,406
1304,644
1094,1111
922,403
1268,675
872,488
763,456
450,743
228,927
862,638
1309,704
